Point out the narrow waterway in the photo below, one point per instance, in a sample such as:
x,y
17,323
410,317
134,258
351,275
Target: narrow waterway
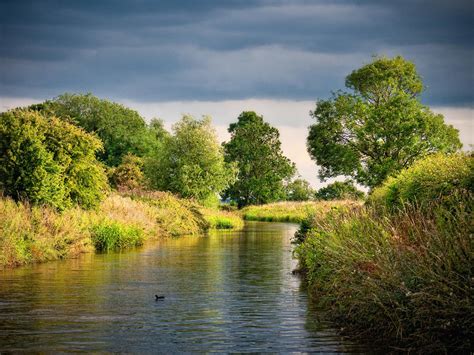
x,y
229,291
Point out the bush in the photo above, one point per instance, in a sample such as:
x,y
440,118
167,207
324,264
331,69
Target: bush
x,y
128,175
110,235
49,161
299,190
339,191
434,178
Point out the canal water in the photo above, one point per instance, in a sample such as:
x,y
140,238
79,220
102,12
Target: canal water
x,y
225,292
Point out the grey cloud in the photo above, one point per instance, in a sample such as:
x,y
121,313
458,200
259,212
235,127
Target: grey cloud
x,y
216,50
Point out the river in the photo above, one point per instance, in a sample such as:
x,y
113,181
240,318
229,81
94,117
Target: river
x,y
226,292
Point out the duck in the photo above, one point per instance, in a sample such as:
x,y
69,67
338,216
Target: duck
x,y
159,297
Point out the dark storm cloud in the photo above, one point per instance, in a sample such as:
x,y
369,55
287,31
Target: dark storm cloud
x,y
212,50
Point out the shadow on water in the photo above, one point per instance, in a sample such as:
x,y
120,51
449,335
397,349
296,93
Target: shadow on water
x,y
228,291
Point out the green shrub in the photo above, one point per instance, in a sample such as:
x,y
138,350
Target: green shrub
x,y
128,175
111,235
298,190
49,161
339,191
434,178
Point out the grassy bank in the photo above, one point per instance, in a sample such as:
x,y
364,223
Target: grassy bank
x,y
400,268
295,212
30,234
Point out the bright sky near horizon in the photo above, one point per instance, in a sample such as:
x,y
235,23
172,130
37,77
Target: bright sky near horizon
x,y
219,58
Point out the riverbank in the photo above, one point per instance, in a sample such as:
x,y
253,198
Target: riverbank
x,y
31,234
399,269
295,212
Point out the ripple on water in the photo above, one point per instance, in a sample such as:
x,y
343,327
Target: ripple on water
x,y
227,292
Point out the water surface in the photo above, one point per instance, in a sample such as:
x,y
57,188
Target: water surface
x,y
229,291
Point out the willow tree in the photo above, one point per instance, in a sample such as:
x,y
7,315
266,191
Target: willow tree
x,y
380,127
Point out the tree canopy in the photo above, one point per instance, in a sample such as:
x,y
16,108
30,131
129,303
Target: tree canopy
x,y
262,168
379,128
48,161
192,162
122,130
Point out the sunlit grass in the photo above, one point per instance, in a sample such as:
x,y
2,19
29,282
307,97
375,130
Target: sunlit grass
x,y
222,219
295,212
30,234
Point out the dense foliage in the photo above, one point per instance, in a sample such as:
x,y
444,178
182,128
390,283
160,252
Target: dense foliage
x,y
380,128
192,162
429,179
339,190
299,190
129,174
262,168
49,161
122,130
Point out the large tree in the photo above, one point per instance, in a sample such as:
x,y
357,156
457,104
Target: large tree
x,y
192,162
380,127
122,130
256,148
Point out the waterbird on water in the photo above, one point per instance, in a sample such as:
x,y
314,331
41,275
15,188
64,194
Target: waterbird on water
x,y
159,297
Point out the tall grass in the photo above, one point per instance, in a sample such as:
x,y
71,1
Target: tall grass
x,y
173,215
400,271
220,219
30,234
115,236
33,234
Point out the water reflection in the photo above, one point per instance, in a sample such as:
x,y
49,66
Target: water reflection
x,y
229,291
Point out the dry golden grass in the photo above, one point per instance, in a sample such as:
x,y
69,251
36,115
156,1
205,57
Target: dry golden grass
x,y
30,234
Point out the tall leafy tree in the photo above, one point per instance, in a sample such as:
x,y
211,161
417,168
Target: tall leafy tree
x,y
256,148
380,127
122,130
192,162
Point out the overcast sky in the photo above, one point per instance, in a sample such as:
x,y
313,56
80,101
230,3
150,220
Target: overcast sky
x,y
166,58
